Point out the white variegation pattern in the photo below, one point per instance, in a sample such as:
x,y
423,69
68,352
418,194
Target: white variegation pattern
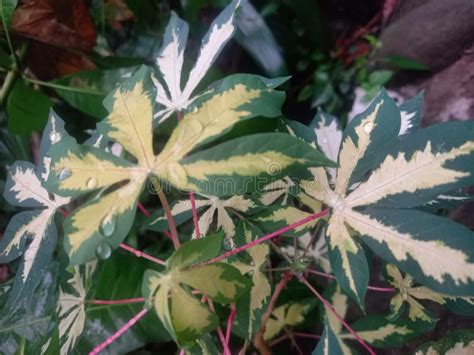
x,y
71,308
329,136
425,169
277,189
170,60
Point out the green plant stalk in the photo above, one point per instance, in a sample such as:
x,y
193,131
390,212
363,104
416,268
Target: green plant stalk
x,y
7,85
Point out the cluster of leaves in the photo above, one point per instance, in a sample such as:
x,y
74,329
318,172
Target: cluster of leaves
x,y
373,187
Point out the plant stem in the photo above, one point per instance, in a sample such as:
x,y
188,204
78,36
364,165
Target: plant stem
x,y
141,254
143,210
230,322
7,85
169,215
219,331
333,310
117,334
258,341
62,87
125,301
267,237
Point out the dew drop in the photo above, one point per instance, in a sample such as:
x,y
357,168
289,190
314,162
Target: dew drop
x,y
194,110
103,251
368,127
64,174
54,137
91,183
228,243
107,227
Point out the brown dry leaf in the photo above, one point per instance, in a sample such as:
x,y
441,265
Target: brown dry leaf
x,y
61,23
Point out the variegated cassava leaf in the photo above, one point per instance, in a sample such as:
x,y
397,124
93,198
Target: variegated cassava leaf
x,y
276,190
170,59
31,234
289,314
411,112
251,306
71,307
410,295
417,168
183,315
182,212
102,223
457,342
330,344
380,332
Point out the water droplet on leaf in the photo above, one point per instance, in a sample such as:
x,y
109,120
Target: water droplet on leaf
x,y
107,227
194,110
64,174
91,183
368,127
103,251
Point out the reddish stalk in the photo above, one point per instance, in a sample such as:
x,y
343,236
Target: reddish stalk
x,y
267,237
125,301
118,333
230,322
141,254
333,311
219,331
143,210
307,335
332,277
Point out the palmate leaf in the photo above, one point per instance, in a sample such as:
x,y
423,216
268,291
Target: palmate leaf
x,y
251,306
411,295
71,307
182,212
171,56
409,171
182,314
31,234
102,223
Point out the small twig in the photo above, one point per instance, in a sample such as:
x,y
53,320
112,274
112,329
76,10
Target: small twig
x,y
219,331
195,215
141,254
125,301
169,215
230,322
143,210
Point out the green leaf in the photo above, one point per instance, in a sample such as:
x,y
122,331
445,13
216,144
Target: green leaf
x,y
184,316
257,39
102,321
8,7
32,317
233,167
27,109
379,332
329,343
196,251
407,63
410,113
459,341
87,90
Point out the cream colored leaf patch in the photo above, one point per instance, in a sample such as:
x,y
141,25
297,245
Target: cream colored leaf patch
x,y
276,190
170,59
71,308
290,314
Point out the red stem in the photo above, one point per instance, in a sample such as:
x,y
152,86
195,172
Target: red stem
x,y
195,215
332,277
118,333
125,301
333,310
230,322
307,335
144,210
219,331
268,237
141,254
